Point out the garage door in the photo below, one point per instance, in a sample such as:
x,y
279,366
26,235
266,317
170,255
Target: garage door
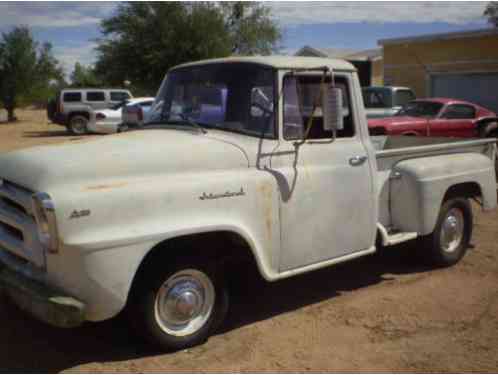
x,y
477,88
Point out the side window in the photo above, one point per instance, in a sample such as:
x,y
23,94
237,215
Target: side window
x,y
71,97
459,112
402,97
119,96
95,96
301,96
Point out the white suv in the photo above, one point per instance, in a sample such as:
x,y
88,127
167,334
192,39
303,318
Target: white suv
x,y
72,107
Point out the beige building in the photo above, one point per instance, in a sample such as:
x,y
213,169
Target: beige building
x,y
462,65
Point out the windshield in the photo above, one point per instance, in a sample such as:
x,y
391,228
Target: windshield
x,y
235,97
420,109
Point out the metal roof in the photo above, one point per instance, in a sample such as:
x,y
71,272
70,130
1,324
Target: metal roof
x,y
443,36
342,53
279,62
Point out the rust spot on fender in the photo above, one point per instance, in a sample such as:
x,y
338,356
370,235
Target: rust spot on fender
x,y
106,186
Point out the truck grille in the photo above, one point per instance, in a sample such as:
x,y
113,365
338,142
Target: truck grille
x,y
18,230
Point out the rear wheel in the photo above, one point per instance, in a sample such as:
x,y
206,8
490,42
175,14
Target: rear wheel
x,y
78,125
451,237
181,307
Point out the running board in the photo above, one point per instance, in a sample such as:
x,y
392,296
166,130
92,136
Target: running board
x,y
396,238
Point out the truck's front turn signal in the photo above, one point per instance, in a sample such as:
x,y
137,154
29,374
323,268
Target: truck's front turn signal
x,y
44,211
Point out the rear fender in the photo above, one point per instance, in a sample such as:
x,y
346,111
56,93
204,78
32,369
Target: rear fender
x,y
416,197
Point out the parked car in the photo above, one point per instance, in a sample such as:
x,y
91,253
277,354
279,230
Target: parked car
x,y
108,120
439,117
72,107
385,101
155,220
135,114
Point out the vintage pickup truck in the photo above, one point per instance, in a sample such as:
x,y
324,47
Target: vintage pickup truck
x,y
151,221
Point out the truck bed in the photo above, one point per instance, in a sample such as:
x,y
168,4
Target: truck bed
x,y
392,152
391,149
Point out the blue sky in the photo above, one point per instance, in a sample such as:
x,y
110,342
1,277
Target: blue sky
x,y
73,27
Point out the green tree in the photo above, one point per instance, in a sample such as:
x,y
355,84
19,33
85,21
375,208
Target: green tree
x,y
26,69
51,78
251,28
143,39
83,76
492,13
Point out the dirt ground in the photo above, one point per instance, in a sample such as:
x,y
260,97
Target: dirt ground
x,y
380,313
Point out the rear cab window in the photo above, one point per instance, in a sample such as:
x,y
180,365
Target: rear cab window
x,y
71,97
95,96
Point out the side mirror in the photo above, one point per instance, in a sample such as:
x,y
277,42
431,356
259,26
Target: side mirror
x,y
333,118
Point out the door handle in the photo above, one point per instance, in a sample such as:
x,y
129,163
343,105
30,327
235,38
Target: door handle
x,y
357,160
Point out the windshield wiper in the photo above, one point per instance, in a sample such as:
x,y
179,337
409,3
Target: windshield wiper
x,y
189,121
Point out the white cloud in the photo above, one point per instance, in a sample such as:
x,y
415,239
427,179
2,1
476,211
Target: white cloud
x,y
298,13
53,14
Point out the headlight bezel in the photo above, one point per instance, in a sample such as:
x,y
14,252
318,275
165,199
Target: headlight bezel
x,y
44,212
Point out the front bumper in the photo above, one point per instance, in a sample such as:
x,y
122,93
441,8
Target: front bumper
x,y
42,302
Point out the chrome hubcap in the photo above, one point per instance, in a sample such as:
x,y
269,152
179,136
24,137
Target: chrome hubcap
x,y
184,302
452,230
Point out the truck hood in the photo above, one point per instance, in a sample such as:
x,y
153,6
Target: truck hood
x,y
119,156
396,121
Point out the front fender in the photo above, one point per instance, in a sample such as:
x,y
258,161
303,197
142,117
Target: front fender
x,y
127,220
108,271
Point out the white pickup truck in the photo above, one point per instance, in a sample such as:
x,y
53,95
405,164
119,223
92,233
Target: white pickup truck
x,y
264,158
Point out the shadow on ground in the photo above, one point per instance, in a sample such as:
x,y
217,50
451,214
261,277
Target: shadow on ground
x,y
29,346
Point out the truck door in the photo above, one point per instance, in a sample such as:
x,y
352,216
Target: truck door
x,y
325,185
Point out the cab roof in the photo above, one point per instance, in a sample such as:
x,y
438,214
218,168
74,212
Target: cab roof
x,y
279,62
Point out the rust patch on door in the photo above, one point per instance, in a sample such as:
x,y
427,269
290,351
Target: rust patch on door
x,y
266,196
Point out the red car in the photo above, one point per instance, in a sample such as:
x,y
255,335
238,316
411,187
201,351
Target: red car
x,y
438,117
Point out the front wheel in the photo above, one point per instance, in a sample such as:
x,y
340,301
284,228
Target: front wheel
x,y
451,237
78,125
179,308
